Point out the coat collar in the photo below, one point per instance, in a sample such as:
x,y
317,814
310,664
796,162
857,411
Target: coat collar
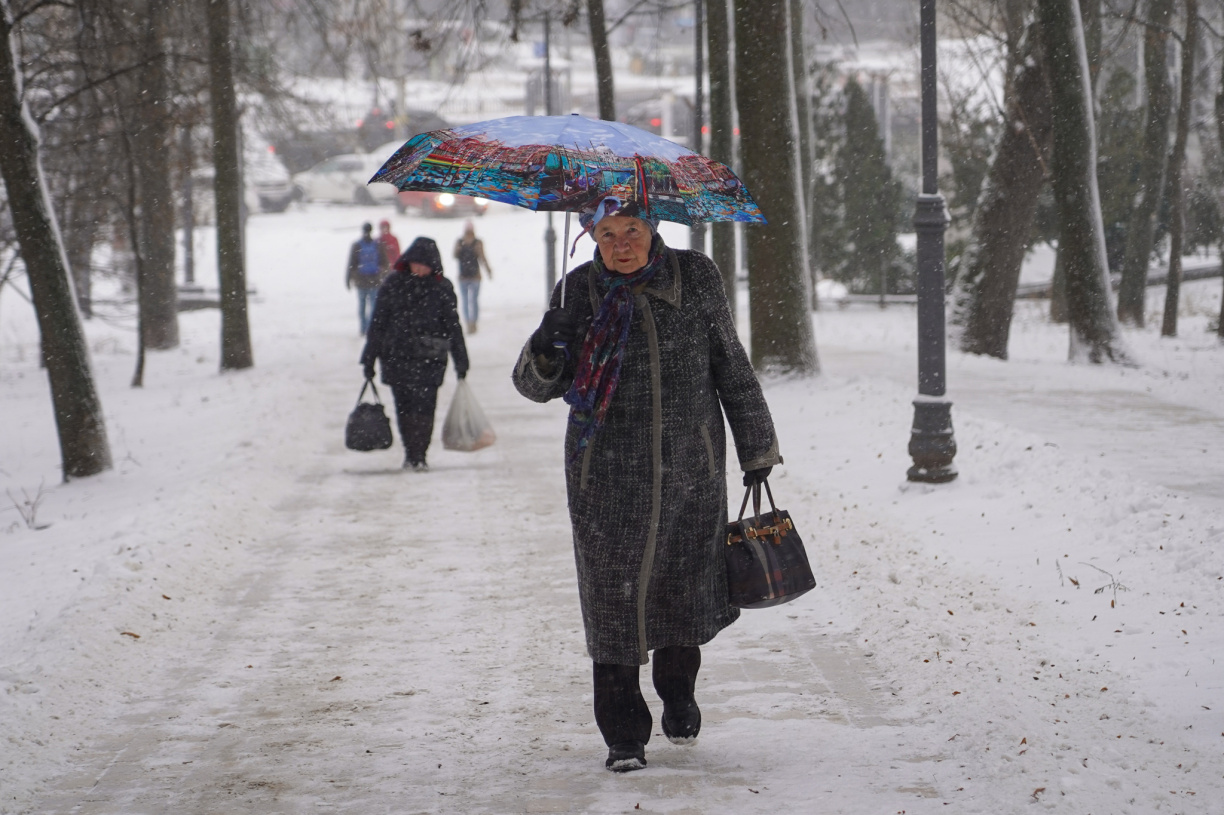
x,y
666,283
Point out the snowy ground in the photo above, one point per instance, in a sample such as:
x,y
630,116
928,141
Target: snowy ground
x,y
243,616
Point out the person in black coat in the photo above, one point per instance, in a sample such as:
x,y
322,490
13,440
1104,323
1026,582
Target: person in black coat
x,y
415,325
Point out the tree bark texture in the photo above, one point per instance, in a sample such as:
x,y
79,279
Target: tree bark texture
x,y
1177,159
1140,233
84,449
1094,329
158,291
803,99
782,340
1003,218
722,147
235,332
603,60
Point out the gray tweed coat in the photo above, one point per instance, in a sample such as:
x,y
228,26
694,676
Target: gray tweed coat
x,y
648,499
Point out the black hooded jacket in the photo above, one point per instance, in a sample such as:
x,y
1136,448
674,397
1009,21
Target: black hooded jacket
x,y
416,323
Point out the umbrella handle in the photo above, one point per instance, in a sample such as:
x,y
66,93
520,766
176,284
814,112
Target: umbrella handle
x,y
564,264
564,258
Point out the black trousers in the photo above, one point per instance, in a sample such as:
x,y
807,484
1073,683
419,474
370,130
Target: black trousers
x,y
414,413
620,710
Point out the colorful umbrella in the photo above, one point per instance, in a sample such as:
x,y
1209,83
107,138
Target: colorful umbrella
x,y
564,163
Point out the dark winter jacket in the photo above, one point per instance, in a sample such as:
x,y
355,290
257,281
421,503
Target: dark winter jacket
x,y
471,257
648,498
415,325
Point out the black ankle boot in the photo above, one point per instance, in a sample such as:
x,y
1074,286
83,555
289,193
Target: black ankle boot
x,y
682,724
626,756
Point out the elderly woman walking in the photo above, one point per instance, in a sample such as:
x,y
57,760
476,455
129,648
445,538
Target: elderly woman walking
x,y
645,351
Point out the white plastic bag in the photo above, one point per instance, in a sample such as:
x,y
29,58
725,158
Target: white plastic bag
x,y
466,427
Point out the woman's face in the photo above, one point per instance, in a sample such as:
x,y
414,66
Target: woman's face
x,y
624,242
419,269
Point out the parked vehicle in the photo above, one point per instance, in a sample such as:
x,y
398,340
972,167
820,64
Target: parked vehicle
x,y
440,204
342,180
271,183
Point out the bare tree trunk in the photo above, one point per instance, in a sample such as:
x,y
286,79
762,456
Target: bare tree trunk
x,y
803,98
603,60
1094,329
1219,114
1177,209
1090,13
1058,290
84,449
1139,235
718,33
152,162
697,232
235,332
83,213
782,339
1003,218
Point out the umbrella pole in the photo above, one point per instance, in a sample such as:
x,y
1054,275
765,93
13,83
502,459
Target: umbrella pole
x,y
564,258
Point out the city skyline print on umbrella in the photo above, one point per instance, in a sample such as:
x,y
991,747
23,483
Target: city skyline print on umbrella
x,y
565,163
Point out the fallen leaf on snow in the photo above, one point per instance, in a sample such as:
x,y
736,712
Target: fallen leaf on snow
x,y
129,634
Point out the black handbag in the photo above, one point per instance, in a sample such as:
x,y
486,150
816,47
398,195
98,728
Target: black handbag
x,y
368,427
766,561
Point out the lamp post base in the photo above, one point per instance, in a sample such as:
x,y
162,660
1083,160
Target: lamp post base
x,y
932,445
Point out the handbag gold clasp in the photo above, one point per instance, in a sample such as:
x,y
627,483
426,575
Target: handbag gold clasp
x,y
774,533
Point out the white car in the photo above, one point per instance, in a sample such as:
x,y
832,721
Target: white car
x,y
342,179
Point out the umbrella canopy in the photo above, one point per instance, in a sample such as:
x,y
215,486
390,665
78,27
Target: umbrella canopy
x,y
564,163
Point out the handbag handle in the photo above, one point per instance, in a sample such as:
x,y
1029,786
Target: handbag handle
x,y
369,383
755,492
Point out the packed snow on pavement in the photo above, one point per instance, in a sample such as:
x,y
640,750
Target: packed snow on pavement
x,y
244,616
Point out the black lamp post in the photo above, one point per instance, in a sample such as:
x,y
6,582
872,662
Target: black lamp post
x,y
932,445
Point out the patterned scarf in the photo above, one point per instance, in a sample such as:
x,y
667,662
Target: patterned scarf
x,y
599,364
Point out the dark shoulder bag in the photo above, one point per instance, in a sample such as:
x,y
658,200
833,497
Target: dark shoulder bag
x,y
766,562
368,427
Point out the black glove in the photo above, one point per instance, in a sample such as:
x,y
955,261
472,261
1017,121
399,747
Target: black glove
x,y
754,477
558,326
460,375
369,371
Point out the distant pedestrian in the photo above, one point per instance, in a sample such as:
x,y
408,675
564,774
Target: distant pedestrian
x,y
415,326
367,268
388,241
469,250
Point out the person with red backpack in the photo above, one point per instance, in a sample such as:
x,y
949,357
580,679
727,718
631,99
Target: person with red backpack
x,y
389,242
367,268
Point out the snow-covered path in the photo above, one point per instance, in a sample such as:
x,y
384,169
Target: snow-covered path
x,y
321,631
